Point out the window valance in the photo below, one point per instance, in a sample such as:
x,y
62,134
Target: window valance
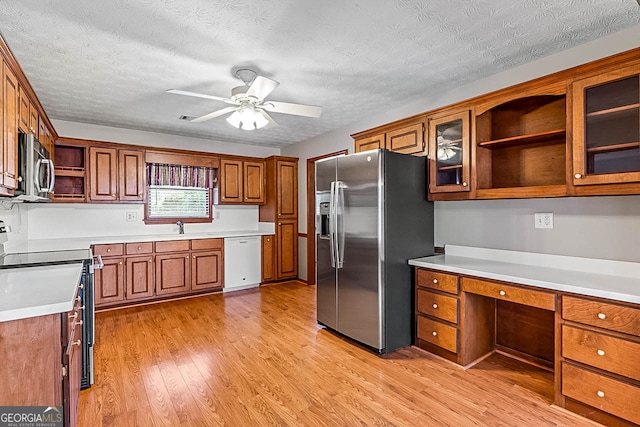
x,y
181,176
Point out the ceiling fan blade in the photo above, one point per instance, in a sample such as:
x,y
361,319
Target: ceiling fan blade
x,y
295,109
271,123
197,95
261,87
213,115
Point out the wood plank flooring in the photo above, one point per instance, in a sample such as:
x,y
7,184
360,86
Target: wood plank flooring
x,y
258,358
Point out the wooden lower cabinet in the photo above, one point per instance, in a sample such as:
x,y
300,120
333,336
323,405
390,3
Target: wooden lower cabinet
x,y
287,249
173,273
207,270
109,282
140,278
268,258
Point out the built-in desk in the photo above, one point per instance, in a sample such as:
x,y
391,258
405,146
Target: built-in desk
x,y
576,316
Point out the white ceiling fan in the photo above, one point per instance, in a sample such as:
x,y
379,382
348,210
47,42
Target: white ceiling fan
x,y
249,110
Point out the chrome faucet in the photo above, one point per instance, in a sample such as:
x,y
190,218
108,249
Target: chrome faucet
x,y
180,225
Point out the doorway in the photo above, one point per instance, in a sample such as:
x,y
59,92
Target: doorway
x,y
311,215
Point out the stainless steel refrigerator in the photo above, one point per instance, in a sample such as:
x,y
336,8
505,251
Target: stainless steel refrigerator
x,y
372,216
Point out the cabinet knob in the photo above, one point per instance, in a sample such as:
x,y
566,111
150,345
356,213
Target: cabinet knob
x,y
464,184
78,299
435,334
139,248
79,322
502,293
578,175
600,352
120,263
108,250
435,305
600,393
187,257
435,281
194,257
76,343
140,195
150,260
113,194
602,316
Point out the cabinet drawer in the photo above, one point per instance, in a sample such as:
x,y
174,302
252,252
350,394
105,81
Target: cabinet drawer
x,y
602,351
544,300
601,392
440,281
436,305
172,246
601,314
116,249
206,244
139,248
437,333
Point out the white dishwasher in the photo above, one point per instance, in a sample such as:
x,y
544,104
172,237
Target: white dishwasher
x,y
242,262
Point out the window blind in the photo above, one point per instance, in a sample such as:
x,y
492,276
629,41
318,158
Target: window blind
x,y
178,202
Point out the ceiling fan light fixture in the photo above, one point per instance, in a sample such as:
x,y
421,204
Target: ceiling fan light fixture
x,y
247,118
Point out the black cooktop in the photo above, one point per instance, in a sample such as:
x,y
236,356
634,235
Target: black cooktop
x,y
34,259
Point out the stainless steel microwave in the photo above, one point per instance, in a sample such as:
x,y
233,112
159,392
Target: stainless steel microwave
x,y
35,170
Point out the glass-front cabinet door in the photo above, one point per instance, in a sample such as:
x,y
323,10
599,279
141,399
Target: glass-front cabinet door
x,y
449,153
606,123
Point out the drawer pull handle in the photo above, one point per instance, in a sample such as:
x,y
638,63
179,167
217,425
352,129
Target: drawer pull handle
x,y
602,316
503,293
600,352
435,334
600,393
435,305
435,281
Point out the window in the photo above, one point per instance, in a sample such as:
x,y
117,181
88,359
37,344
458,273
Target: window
x,y
171,203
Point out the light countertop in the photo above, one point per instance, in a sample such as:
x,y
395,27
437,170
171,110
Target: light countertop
x,y
616,280
38,291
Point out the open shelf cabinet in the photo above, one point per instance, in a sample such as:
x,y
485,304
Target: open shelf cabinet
x,y
70,172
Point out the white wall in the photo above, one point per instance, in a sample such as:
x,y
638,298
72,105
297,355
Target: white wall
x,y
153,139
515,228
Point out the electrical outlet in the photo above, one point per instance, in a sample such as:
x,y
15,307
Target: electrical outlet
x,y
543,220
131,216
216,214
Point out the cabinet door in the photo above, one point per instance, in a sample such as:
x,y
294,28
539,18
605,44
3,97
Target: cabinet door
x,y
131,175
9,152
103,169
606,128
23,112
370,143
449,138
268,259
287,246
407,140
230,187
173,273
34,120
207,270
287,188
109,282
253,182
140,283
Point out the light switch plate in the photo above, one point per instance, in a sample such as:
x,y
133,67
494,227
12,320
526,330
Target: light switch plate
x,y
543,220
131,216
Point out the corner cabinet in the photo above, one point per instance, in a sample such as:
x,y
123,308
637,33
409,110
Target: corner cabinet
x,y
116,175
606,118
449,162
241,181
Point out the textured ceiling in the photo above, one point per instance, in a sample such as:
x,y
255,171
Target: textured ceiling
x,y
110,62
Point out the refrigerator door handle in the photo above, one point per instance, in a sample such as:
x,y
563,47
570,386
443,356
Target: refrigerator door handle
x,y
340,224
332,224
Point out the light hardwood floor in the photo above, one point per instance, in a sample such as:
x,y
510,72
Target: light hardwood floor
x,y
254,358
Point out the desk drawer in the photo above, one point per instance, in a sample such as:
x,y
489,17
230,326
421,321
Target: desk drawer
x,y
439,281
544,300
602,351
116,249
437,333
436,305
606,394
139,248
601,314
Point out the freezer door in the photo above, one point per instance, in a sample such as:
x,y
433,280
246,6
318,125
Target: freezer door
x,y
325,271
358,225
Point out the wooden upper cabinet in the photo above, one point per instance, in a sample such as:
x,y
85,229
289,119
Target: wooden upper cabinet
x,y
287,188
116,175
103,170
606,135
253,181
131,175
9,119
407,140
24,112
370,143
34,120
450,159
230,186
